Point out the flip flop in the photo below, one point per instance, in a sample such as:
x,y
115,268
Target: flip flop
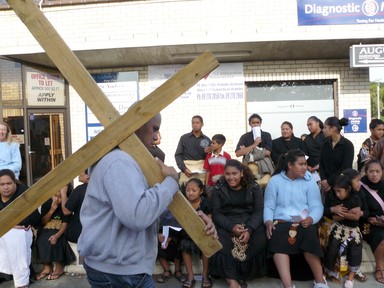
x,y
206,283
167,274
380,278
55,276
334,279
359,276
189,283
42,275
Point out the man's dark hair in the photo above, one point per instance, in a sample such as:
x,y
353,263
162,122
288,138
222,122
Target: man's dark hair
x,y
199,117
254,115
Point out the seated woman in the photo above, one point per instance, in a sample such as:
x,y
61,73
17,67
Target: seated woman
x,y
237,211
52,246
15,245
292,207
286,142
373,187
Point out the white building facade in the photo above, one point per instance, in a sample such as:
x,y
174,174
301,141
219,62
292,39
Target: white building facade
x,y
277,67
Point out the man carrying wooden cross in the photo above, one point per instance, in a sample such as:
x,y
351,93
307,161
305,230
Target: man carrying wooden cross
x,y
120,217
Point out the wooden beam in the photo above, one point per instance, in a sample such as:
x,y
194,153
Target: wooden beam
x,y
83,83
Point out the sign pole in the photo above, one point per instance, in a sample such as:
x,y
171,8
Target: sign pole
x,y
378,98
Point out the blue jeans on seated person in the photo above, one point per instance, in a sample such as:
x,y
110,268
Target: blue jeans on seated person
x,y
99,279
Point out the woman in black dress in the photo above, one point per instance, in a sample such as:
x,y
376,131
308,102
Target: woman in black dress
x,y
313,143
237,211
373,187
52,246
286,142
337,152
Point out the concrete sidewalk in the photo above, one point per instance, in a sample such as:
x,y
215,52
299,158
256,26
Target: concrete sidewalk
x,y
71,280
75,277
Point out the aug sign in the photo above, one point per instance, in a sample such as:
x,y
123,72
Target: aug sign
x,y
366,55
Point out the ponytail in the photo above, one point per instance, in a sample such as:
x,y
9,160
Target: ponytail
x,y
290,157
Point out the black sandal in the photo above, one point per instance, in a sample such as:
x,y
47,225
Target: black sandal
x,y
243,284
206,283
163,278
179,276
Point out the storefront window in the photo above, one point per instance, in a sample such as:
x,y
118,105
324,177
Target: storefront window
x,y
11,83
292,101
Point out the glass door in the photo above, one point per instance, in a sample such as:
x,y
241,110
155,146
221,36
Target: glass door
x,y
46,147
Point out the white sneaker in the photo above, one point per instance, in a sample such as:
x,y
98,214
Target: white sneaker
x,y
348,284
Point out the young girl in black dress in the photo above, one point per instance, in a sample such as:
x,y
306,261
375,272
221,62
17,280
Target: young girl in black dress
x,y
193,190
345,240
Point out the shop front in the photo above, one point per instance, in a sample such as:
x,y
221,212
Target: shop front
x,y
34,106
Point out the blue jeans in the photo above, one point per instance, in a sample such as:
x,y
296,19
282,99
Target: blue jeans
x,y
99,279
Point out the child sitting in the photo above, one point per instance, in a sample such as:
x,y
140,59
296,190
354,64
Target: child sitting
x,y
169,251
345,240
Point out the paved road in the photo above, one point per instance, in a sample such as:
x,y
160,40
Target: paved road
x,y
80,281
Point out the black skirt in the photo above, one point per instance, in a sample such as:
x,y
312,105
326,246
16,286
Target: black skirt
x,y
171,253
307,240
224,265
60,252
375,236
187,245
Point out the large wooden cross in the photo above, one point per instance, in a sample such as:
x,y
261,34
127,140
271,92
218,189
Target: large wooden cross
x,y
119,130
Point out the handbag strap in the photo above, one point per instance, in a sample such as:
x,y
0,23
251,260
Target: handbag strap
x,y
374,195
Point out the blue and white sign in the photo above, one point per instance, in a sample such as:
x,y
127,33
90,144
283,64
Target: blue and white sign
x,y
330,12
121,89
357,119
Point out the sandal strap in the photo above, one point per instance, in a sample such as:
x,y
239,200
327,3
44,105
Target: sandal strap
x,y
189,283
207,281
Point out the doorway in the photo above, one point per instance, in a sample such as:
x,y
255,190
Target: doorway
x,y
46,147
